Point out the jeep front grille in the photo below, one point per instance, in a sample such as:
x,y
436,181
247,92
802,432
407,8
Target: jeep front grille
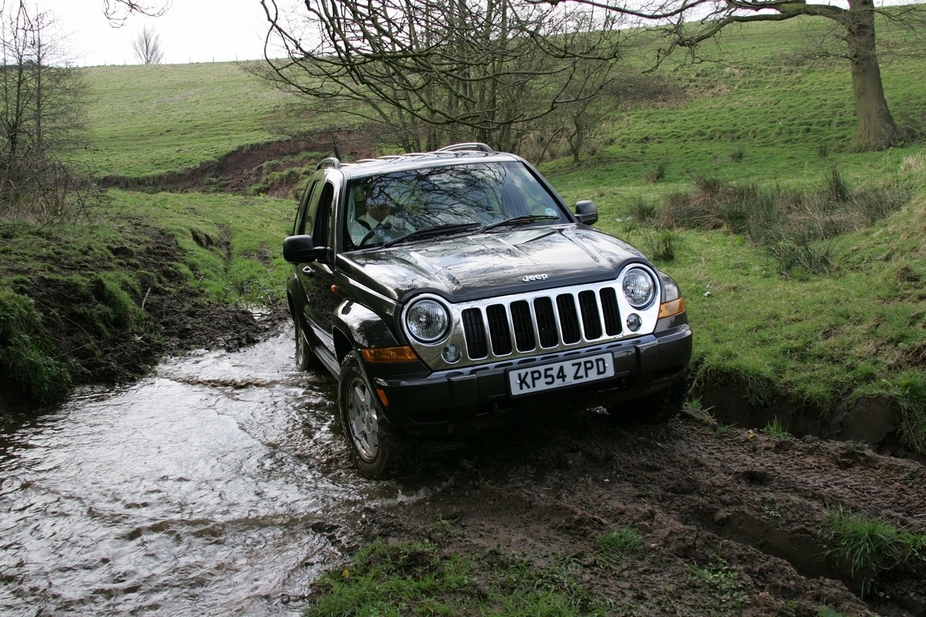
x,y
541,322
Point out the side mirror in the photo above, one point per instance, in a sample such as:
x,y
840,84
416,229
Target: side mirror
x,y
301,249
587,211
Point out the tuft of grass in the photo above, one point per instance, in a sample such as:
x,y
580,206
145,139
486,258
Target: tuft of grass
x,y
616,543
663,245
727,595
870,545
642,211
800,259
910,390
657,173
776,430
837,186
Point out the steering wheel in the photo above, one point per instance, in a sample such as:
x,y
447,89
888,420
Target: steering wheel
x,y
369,236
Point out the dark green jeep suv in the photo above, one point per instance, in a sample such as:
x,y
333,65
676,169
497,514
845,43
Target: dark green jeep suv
x,y
449,288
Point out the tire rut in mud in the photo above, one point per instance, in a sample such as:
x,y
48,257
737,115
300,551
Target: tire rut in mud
x,y
727,501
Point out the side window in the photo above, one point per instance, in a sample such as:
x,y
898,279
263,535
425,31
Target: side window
x,y
303,218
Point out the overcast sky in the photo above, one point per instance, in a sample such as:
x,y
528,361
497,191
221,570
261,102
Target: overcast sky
x,y
190,31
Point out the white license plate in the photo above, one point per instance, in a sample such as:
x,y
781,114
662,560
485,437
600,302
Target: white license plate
x,y
560,374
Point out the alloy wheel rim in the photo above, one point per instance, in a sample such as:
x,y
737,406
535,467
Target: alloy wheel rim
x,y
363,420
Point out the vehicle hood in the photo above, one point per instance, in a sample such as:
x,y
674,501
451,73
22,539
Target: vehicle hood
x,y
470,267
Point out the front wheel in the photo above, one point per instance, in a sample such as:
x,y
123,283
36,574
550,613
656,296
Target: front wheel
x,y
375,446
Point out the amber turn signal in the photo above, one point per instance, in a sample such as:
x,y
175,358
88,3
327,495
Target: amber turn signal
x,y
382,397
388,354
672,307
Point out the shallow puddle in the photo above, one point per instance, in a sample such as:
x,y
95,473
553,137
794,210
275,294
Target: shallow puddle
x,y
215,486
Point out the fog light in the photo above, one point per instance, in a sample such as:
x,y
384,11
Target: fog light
x,y
451,353
634,322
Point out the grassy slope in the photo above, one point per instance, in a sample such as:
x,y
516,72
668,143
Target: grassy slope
x,y
859,330
146,120
763,116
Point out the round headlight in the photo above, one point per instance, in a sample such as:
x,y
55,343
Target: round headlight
x,y
639,288
427,320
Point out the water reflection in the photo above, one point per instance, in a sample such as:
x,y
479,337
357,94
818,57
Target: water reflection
x,y
210,488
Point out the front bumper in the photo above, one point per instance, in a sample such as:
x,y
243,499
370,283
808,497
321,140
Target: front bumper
x,y
434,402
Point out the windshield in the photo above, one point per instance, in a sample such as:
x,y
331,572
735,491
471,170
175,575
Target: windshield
x,y
457,197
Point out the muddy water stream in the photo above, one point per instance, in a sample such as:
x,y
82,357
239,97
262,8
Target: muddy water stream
x,y
207,488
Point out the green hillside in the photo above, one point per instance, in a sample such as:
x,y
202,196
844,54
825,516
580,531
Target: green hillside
x,y
810,316
151,119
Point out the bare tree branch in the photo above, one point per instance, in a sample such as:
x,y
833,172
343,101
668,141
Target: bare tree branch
x,y
117,11
40,123
445,70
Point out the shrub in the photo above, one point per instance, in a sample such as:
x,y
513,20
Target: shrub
x,y
642,211
790,224
662,245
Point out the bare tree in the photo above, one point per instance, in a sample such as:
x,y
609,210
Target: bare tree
x,y
686,23
431,71
147,47
40,122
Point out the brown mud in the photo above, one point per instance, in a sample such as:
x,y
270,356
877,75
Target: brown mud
x,y
748,507
237,171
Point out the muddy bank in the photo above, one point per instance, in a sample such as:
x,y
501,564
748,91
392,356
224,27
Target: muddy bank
x,y
238,171
875,421
751,507
98,331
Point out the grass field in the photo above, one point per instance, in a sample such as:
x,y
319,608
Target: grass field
x,y
767,115
146,120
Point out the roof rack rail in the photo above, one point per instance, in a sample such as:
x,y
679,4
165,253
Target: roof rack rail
x,y
468,146
332,162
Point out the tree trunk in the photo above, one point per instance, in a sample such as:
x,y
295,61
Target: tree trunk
x,y
876,127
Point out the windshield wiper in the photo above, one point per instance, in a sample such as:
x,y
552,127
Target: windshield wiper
x,y
429,232
520,220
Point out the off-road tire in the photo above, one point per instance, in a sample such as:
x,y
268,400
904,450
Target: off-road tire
x,y
376,447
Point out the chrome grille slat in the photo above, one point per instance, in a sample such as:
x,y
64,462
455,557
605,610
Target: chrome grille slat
x,y
541,322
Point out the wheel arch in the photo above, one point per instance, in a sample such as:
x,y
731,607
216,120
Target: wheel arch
x,y
359,327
